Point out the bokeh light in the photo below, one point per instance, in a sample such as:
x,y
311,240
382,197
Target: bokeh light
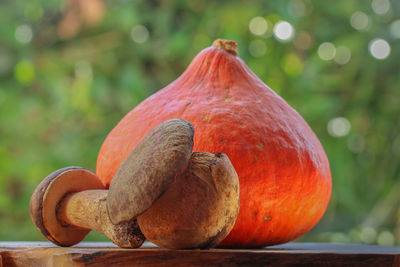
x,y
139,34
368,235
283,31
24,72
23,34
258,26
339,127
326,51
379,48
386,238
343,55
380,7
359,21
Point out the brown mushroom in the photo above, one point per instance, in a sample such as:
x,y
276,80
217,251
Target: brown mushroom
x,y
182,200
70,202
199,209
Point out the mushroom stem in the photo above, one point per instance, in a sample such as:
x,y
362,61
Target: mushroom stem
x,y
87,209
84,209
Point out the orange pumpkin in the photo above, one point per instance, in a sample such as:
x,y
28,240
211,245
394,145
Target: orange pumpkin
x,y
285,180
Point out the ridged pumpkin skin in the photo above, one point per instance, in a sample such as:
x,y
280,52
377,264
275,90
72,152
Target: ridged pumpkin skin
x,y
285,180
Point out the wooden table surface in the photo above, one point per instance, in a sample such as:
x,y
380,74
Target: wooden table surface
x,y
107,254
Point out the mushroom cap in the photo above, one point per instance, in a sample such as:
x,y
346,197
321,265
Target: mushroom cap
x,y
47,197
148,171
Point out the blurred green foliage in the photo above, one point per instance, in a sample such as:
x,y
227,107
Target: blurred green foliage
x,y
69,72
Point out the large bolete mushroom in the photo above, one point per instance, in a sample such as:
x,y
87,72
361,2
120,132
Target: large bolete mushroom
x,y
199,209
181,200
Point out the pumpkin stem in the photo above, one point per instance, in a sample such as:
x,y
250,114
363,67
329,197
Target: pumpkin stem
x,y
227,45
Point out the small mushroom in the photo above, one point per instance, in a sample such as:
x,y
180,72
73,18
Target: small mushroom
x,y
70,202
181,199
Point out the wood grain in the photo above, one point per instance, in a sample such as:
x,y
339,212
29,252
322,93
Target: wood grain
x,y
107,254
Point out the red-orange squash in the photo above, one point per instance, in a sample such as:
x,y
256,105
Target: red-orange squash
x,y
285,180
